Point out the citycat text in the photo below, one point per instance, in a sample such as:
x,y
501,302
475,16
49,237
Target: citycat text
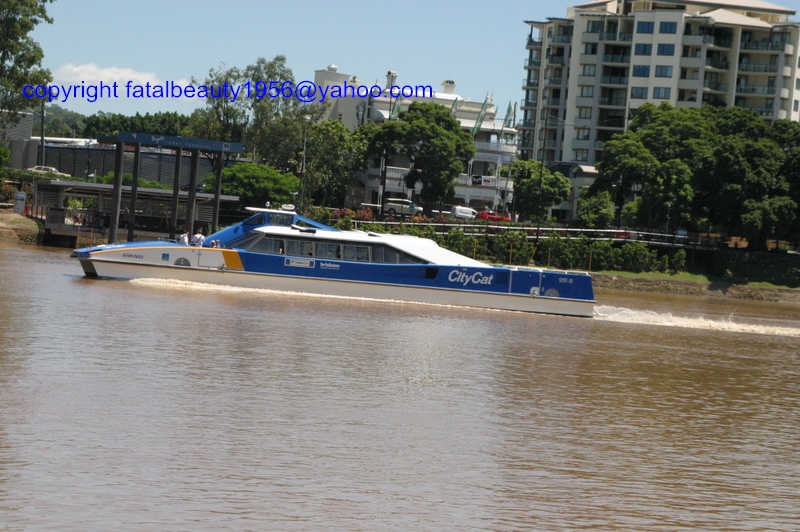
x,y
465,278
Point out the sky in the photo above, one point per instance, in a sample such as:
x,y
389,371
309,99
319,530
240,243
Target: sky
x,y
479,45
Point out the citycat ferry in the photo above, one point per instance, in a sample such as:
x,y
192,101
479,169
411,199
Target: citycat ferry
x,y
282,250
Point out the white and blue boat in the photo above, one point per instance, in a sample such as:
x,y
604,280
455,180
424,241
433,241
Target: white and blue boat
x,y
282,250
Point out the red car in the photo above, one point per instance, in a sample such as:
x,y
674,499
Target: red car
x,y
492,216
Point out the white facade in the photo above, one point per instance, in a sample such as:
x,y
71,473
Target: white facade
x,y
587,73
496,144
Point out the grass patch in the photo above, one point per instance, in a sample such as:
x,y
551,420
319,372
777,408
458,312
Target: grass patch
x,y
699,278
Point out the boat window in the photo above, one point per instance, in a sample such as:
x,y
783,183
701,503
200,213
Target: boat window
x,y
244,241
258,219
405,258
325,250
281,219
300,248
356,253
268,245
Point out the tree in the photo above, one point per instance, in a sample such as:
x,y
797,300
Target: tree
x,y
256,184
333,155
432,139
20,56
596,212
531,200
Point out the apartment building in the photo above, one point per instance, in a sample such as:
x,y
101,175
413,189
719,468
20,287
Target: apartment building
x,y
587,73
495,138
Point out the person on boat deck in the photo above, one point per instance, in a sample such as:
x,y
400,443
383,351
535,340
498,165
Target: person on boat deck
x,y
184,238
198,239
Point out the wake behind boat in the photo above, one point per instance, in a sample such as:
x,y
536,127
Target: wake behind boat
x,y
282,250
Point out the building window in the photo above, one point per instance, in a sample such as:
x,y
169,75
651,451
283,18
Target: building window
x,y
666,49
797,84
594,26
581,155
641,71
582,133
590,48
796,105
663,71
645,27
589,70
587,91
639,93
661,93
584,112
668,27
643,49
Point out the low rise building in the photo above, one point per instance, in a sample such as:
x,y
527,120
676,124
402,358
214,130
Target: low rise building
x,y
495,138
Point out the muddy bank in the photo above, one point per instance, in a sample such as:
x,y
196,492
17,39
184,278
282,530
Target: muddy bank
x,y
690,288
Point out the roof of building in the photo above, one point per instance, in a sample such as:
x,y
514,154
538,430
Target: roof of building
x,y
747,5
724,16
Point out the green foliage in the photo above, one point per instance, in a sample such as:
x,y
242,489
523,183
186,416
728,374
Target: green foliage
x,y
455,240
7,193
604,256
636,257
596,212
696,167
20,56
127,180
161,123
532,200
433,141
319,214
511,247
58,122
333,155
345,223
256,184
5,155
679,261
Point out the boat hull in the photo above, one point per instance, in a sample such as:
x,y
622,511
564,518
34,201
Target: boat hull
x,y
218,273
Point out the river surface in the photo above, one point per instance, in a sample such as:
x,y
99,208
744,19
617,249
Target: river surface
x,y
133,405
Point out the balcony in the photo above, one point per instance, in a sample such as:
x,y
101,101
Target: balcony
x,y
614,58
763,46
552,81
755,89
717,63
717,42
762,111
715,86
618,37
495,147
614,101
533,63
614,80
392,172
562,39
556,60
534,43
527,103
756,67
552,102
530,84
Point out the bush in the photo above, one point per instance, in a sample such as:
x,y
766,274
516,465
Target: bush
x,y
679,261
636,257
7,193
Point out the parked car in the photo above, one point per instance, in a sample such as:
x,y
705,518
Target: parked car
x,y
465,213
396,206
47,170
492,216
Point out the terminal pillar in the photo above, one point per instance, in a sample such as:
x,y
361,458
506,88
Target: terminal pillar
x,y
137,153
116,199
176,188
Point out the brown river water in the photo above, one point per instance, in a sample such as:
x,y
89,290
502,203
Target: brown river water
x,y
139,405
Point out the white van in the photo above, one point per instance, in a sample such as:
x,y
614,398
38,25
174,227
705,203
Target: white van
x,y
465,213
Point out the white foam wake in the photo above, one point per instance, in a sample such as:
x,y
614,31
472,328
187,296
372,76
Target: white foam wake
x,y
648,317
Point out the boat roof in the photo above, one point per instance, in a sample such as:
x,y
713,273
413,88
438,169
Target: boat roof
x,y
422,248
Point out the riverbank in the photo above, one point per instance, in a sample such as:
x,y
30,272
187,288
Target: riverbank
x,y
20,229
16,227
693,288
